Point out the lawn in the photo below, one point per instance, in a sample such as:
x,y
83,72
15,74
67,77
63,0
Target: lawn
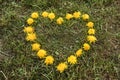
x,y
19,62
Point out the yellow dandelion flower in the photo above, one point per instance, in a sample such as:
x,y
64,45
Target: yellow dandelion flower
x,y
79,52
59,20
85,16
61,67
91,31
49,60
34,15
86,46
91,39
31,37
41,53
90,24
72,59
51,16
35,47
69,16
30,21
76,14
45,14
28,29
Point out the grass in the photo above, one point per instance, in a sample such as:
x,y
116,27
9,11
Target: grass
x,y
18,62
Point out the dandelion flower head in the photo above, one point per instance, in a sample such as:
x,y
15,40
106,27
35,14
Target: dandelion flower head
x,y
61,67
86,46
45,14
41,53
69,16
59,20
34,15
29,29
91,31
51,16
79,52
36,47
85,16
31,37
30,21
91,39
49,60
72,59
90,24
76,14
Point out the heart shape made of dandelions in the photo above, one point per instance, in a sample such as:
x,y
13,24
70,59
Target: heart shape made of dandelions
x,y
41,27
